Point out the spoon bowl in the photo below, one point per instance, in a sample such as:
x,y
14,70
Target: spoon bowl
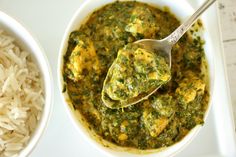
x,y
162,47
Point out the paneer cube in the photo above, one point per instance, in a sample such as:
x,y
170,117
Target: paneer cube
x,y
189,88
154,124
83,57
142,22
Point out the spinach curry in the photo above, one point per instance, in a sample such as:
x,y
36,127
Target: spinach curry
x,y
165,117
134,74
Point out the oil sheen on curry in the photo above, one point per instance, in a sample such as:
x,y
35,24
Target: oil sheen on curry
x,y
165,117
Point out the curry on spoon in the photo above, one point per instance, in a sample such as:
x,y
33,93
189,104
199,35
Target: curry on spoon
x,y
141,68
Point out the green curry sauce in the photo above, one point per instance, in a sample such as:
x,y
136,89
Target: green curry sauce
x,y
134,74
165,117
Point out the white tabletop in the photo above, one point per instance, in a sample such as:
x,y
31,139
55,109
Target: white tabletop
x,y
227,10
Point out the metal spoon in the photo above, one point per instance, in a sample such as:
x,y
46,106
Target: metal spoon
x,y
165,45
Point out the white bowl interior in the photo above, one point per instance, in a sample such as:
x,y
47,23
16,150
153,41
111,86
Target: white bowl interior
x,y
182,10
28,43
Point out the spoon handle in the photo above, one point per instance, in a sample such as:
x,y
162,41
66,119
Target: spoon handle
x,y
179,32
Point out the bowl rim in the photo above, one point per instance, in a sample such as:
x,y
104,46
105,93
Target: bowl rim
x,y
25,38
79,124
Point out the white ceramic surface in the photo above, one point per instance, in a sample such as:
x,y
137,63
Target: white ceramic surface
x,y
28,43
182,10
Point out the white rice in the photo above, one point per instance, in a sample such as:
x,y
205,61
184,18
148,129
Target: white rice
x,y
21,96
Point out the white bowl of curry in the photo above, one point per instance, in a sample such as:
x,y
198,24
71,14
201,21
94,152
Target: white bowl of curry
x,y
168,120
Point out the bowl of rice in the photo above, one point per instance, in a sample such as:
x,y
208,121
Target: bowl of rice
x,y
25,89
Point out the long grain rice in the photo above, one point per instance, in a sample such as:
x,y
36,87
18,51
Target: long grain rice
x,y
21,96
